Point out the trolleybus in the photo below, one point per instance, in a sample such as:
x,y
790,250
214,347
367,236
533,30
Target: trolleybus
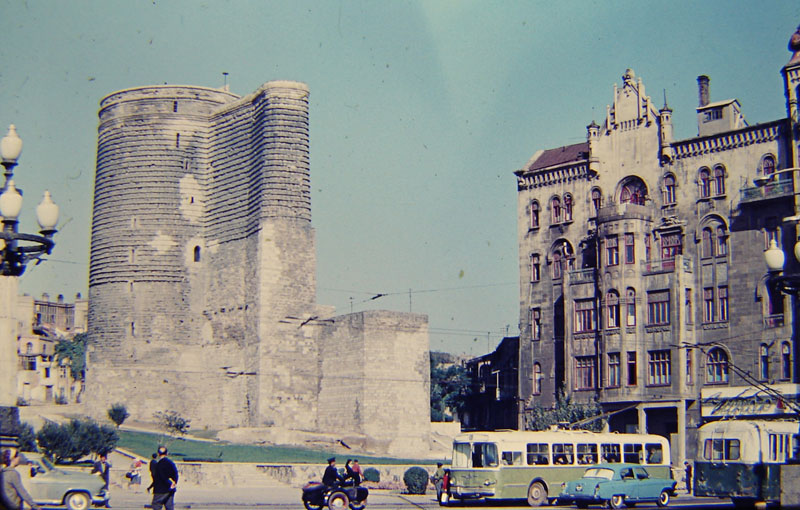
x,y
533,465
742,459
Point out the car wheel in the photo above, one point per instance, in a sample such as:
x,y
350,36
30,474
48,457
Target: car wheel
x,y
537,494
617,501
663,499
338,501
311,506
77,501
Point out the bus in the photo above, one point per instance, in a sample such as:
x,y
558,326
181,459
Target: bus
x,y
743,459
533,465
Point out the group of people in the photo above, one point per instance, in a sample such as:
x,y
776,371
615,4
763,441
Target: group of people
x,y
352,474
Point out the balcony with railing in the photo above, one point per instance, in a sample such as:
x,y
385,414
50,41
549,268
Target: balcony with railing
x,y
771,190
624,210
667,265
580,276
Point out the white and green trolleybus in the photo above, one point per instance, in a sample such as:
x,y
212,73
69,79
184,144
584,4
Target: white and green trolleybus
x,y
533,465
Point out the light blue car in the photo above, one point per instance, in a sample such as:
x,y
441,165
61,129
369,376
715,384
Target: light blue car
x,y
52,486
617,485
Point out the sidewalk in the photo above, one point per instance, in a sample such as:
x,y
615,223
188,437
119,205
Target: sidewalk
x,y
192,496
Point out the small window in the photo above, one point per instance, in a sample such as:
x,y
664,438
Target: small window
x,y
630,304
630,249
631,381
717,366
704,179
555,206
587,453
534,214
719,180
537,379
612,251
177,139
197,254
613,370
511,458
597,200
763,359
538,454
632,453
175,107
669,190
786,361
536,268
563,453
568,207
768,166
536,323
612,309
611,453
655,453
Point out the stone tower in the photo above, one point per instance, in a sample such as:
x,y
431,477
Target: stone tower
x,y
202,281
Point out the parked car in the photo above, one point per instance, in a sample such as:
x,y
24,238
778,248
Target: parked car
x,y
52,486
617,485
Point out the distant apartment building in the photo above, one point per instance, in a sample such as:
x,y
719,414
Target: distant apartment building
x,y
492,403
42,323
642,272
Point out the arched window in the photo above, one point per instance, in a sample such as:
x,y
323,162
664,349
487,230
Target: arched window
x,y
534,214
557,268
612,309
707,245
555,207
717,366
537,379
536,273
630,305
567,207
763,361
722,241
768,165
786,361
597,200
633,191
669,190
705,183
197,254
29,348
719,180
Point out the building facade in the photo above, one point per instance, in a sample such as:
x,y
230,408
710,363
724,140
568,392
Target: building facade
x,y
202,281
642,275
492,403
41,324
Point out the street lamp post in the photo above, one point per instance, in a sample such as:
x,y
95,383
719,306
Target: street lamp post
x,y
16,250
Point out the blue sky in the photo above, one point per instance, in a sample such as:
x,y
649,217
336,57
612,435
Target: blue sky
x,y
420,113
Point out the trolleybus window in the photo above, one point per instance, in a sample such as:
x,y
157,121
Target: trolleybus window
x,y
587,453
610,453
778,447
538,454
563,453
633,453
721,449
511,458
484,455
461,455
654,453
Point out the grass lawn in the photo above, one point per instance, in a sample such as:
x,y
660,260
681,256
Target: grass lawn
x,y
145,444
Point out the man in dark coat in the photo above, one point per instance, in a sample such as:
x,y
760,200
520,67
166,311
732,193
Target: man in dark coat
x,y
331,476
165,482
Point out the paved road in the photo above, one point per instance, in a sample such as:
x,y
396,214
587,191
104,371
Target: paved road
x,y
288,498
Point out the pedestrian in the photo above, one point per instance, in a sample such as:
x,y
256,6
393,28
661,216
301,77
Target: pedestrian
x,y
358,475
13,495
135,474
153,463
165,481
437,479
688,469
103,467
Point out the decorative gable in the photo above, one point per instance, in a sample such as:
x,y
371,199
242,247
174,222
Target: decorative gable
x,y
631,107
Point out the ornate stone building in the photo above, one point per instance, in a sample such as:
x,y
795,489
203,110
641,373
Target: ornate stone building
x,y
642,274
202,283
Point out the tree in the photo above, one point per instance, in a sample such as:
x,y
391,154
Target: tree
x,y
75,351
450,387
118,413
26,441
564,411
74,440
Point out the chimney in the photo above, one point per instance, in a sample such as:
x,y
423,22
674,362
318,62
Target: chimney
x,y
702,85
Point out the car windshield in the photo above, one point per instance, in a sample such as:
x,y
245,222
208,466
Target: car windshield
x,y
604,473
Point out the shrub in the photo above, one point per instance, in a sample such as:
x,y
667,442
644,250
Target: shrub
x,y
21,402
26,441
172,422
61,400
416,480
372,475
118,413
